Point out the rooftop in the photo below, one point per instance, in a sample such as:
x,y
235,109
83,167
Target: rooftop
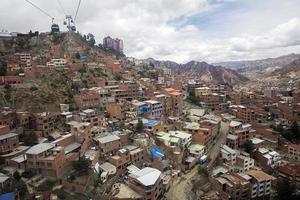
x,y
259,175
40,148
3,178
146,176
8,135
108,138
234,123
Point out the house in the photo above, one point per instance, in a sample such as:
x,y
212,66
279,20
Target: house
x,y
47,159
109,143
260,184
174,138
232,186
4,181
228,155
156,109
266,158
291,173
239,134
147,182
244,162
8,142
196,150
294,151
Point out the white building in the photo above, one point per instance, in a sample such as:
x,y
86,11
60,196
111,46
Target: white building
x,y
228,154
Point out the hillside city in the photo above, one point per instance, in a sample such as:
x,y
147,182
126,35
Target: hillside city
x,y
81,120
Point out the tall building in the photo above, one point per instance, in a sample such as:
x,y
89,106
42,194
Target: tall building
x,y
115,44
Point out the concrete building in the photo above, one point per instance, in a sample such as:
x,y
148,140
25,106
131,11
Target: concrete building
x,y
260,184
228,155
8,142
291,173
174,138
47,159
232,186
147,182
244,163
108,144
294,151
156,109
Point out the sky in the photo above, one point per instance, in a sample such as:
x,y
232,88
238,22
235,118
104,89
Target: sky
x,y
177,30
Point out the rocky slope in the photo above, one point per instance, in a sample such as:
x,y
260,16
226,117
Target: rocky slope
x,y
260,66
202,70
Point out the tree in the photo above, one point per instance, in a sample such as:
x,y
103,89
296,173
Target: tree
x,y
3,69
2,160
82,70
21,187
17,176
248,147
118,77
91,39
77,55
285,190
121,124
295,130
139,126
81,166
30,139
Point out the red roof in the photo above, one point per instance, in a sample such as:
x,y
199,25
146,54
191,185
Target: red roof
x,y
288,169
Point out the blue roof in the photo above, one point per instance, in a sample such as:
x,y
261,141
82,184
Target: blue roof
x,y
152,122
156,152
7,196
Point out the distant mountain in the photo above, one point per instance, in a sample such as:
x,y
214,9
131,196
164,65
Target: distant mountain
x,y
291,69
261,66
202,70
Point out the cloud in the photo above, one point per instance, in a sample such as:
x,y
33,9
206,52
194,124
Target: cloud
x,y
163,29
284,35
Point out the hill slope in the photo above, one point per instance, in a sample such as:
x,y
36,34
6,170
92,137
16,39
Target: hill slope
x,y
260,66
202,70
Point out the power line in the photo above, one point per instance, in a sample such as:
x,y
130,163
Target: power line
x,y
77,10
39,9
62,8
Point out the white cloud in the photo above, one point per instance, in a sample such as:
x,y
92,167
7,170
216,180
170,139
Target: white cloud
x,y
144,26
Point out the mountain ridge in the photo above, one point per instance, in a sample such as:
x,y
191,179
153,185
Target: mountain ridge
x,y
202,70
267,65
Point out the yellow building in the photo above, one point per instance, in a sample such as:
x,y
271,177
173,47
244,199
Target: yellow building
x,y
57,63
202,91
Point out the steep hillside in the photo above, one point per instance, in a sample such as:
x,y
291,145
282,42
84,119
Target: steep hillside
x,y
202,70
45,91
291,69
260,66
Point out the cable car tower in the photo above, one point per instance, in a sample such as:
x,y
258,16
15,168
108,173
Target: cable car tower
x,y
69,22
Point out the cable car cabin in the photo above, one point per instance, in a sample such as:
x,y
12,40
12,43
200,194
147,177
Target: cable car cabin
x,y
73,28
55,28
